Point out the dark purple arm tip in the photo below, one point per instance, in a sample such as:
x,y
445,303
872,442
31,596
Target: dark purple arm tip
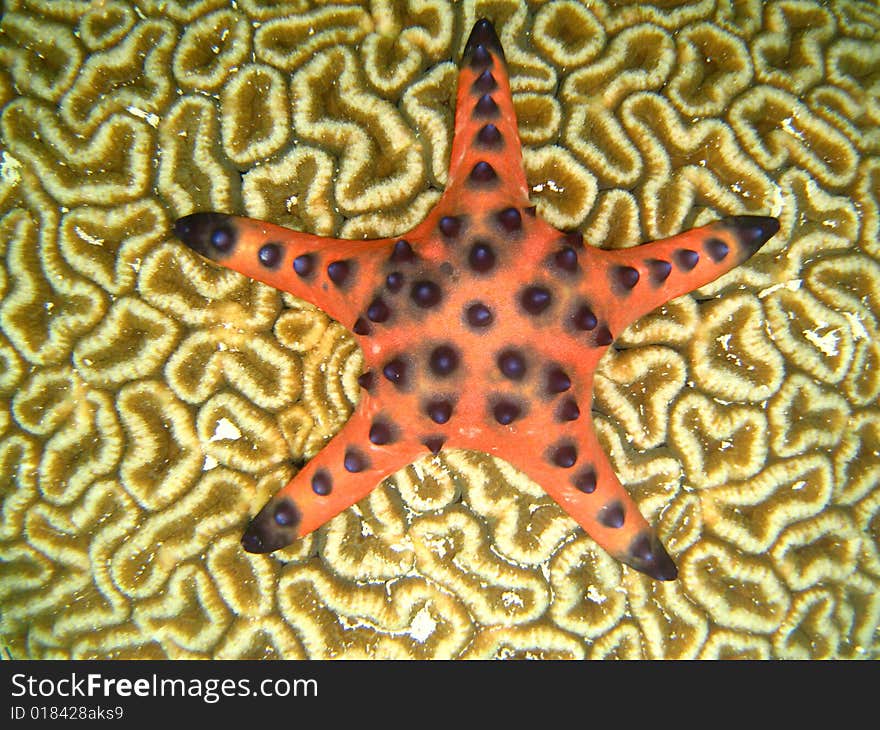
x,y
273,527
663,568
752,231
212,235
648,555
252,542
183,227
483,34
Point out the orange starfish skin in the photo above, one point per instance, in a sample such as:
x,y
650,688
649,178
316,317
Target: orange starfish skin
x,y
481,328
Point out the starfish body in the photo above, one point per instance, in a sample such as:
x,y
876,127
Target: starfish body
x,y
481,328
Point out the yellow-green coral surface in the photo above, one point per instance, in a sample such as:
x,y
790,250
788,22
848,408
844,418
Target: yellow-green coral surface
x,y
151,402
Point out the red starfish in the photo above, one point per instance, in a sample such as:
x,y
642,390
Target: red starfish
x,y
481,328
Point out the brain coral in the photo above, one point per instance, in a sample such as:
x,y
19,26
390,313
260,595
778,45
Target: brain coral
x,y
151,403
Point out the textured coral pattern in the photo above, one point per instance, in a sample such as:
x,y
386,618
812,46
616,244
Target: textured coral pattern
x,y
153,402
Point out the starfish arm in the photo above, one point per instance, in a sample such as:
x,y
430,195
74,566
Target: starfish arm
x,y
647,276
346,470
574,470
486,146
334,274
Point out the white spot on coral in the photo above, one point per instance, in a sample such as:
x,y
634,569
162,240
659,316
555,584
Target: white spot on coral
x,y
225,430
856,326
595,596
792,285
789,126
827,343
777,200
511,598
87,237
550,185
402,546
422,625
438,545
148,117
10,169
545,571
